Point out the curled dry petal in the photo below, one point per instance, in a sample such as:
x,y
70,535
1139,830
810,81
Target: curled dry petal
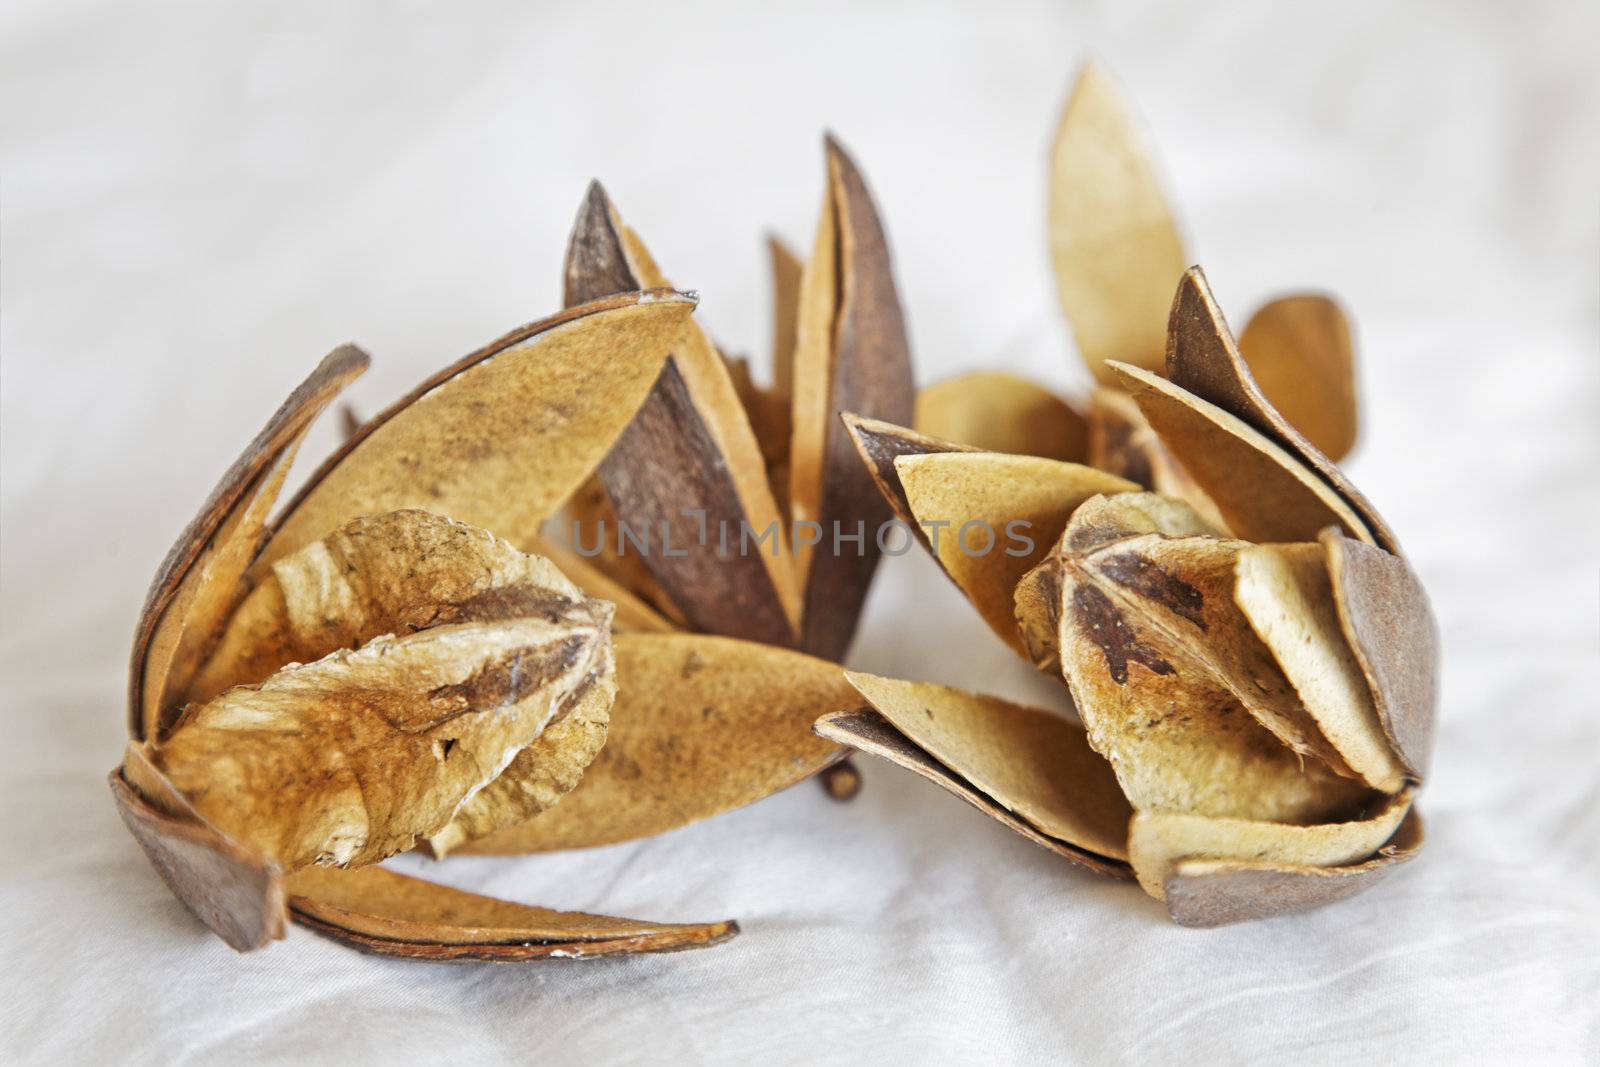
x,y
198,583
1036,765
1116,248
1204,362
998,412
503,436
1157,840
701,725
1204,892
1287,595
380,911
990,517
1262,492
1385,615
1299,351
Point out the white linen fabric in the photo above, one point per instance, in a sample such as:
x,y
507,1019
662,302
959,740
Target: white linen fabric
x,y
200,200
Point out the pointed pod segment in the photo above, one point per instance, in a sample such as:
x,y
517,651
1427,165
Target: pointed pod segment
x,y
1204,361
851,354
199,582
503,436
389,914
1115,245
688,470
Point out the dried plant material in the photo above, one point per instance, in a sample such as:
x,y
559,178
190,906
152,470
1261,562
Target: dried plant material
x,y
1036,765
234,890
1097,522
502,437
349,421
768,410
701,725
851,354
1384,613
592,524
1116,248
998,412
395,573
1157,840
995,516
868,731
1219,892
198,583
633,615
787,271
1177,736
351,758
880,444
689,461
1122,442
1285,592
1261,491
842,781
1300,353
1204,362
1185,587
380,911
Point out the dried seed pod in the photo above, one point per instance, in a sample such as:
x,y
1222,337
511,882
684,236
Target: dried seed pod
x,y
1264,710
364,673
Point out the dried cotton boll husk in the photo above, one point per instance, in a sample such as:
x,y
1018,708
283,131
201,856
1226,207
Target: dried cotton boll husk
x,y
998,412
1287,595
404,675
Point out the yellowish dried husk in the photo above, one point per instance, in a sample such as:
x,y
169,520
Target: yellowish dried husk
x,y
1157,840
1034,764
1285,592
999,412
1116,248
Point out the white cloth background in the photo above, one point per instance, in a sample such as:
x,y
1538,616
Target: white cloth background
x,y
198,201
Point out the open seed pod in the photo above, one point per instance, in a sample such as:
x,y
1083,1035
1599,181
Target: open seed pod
x,y
1118,251
381,664
1256,703
689,517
